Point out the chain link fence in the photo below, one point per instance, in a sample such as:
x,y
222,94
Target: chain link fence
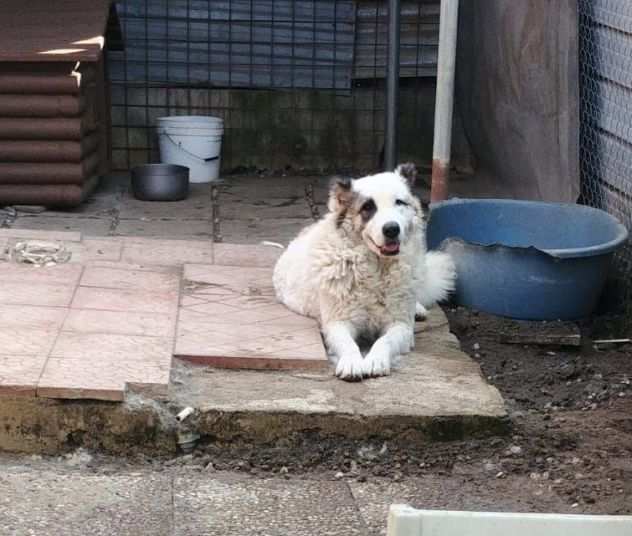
x,y
605,36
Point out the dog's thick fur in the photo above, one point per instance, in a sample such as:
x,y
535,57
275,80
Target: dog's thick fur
x,y
358,282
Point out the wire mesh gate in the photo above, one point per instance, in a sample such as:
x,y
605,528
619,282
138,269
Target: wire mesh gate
x,y
299,83
606,116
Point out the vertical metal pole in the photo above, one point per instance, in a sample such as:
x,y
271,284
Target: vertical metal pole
x,y
444,104
392,87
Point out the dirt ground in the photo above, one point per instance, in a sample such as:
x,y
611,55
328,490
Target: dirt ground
x,y
569,448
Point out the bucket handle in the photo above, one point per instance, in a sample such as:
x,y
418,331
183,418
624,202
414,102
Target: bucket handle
x,y
179,146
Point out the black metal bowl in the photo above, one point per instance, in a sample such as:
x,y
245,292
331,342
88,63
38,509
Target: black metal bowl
x,y
160,182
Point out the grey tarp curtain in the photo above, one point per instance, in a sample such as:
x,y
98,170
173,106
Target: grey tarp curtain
x,y
518,98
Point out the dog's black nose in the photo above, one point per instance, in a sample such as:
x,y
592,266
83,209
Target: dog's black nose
x,y
391,229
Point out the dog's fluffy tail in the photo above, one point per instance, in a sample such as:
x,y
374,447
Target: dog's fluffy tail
x,y
440,278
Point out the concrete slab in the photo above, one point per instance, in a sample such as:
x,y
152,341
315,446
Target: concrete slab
x,y
246,506
374,498
195,207
197,229
436,393
38,234
92,226
255,231
55,503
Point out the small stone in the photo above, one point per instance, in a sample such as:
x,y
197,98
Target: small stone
x,y
500,474
515,450
476,347
209,467
284,470
339,475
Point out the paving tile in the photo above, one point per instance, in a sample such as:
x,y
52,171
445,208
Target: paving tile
x,y
166,252
246,255
36,294
19,374
102,366
36,234
26,340
120,322
108,299
229,317
174,269
125,278
95,249
33,317
61,274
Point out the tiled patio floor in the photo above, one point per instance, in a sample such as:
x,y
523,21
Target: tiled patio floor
x,y
111,319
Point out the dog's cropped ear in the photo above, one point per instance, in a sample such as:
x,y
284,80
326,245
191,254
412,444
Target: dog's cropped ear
x,y
407,171
340,194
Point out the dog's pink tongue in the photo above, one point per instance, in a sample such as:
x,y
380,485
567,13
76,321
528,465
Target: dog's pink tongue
x,y
390,248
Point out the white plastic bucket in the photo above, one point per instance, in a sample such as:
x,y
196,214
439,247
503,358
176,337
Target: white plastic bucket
x,y
194,141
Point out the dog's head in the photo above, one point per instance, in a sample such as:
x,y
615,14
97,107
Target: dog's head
x,y
381,208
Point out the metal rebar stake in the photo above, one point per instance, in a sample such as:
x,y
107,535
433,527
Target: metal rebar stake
x,y
311,203
392,87
215,217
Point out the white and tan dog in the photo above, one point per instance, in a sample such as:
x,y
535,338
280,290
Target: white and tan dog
x,y
363,272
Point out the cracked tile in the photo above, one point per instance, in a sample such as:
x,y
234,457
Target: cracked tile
x,y
268,334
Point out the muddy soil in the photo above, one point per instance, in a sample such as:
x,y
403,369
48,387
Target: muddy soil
x,y
570,442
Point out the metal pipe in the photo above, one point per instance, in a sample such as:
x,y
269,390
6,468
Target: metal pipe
x,y
392,87
444,104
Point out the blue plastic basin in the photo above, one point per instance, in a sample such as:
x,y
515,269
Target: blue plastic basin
x,y
525,259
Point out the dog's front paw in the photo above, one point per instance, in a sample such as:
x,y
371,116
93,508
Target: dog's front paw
x,y
349,368
376,363
421,313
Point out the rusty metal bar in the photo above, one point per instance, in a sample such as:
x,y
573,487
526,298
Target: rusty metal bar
x,y
444,104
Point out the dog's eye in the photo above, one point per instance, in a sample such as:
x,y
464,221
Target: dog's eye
x,y
401,203
368,206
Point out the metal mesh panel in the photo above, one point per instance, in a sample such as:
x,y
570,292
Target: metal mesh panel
x,y
606,116
299,83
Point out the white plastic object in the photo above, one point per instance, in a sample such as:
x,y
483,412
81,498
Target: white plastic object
x,y
406,521
193,141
